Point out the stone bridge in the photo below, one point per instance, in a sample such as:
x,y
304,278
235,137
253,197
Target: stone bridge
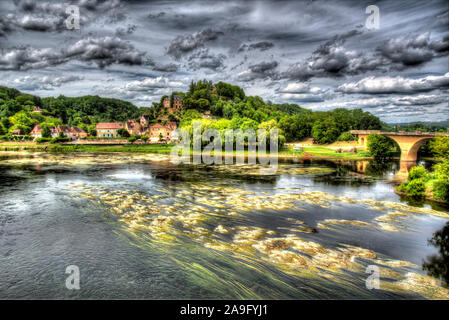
x,y
409,142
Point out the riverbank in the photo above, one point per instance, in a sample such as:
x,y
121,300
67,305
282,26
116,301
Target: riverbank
x,y
315,152
427,197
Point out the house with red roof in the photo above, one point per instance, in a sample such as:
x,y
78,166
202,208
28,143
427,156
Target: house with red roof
x,y
77,133
108,129
36,132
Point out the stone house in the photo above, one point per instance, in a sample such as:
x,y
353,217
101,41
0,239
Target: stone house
x,y
133,127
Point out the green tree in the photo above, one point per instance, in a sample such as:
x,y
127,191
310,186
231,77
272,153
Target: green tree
x,y
123,133
325,131
379,146
440,146
46,132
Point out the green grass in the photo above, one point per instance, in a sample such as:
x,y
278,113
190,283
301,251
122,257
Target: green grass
x,y
138,148
318,151
314,151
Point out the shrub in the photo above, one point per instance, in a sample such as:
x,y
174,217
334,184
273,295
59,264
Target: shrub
x,y
416,188
442,170
418,173
441,190
144,138
60,139
402,187
132,139
43,140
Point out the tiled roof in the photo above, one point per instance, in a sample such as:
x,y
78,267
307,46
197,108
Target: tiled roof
x,y
109,125
63,128
77,130
37,128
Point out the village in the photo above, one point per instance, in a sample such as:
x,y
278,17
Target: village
x,y
143,128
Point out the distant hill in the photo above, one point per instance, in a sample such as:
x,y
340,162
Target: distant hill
x,y
426,123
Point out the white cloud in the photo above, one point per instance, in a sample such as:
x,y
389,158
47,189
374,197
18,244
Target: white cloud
x,y
153,83
398,84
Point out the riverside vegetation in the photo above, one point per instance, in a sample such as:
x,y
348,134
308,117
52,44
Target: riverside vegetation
x,y
422,183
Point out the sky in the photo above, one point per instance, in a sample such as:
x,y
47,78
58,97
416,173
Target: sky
x,y
320,55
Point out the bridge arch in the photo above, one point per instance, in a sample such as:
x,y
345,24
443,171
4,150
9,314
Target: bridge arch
x,y
409,146
409,142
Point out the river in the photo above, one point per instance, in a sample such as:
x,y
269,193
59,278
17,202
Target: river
x,y
140,227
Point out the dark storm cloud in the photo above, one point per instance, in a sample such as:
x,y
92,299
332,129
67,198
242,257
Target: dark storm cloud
x,y
261,70
207,60
170,67
50,16
262,46
43,83
332,59
182,45
414,50
122,31
106,51
101,51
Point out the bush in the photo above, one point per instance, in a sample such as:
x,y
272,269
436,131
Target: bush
x,y
416,188
60,139
441,190
418,173
346,136
442,170
43,140
402,187
132,139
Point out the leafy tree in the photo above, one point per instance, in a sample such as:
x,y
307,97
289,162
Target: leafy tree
x,y
46,132
379,146
325,131
92,130
440,146
346,136
123,133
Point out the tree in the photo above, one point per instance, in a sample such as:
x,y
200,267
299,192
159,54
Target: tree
x,y
123,133
92,130
379,146
440,146
325,131
46,132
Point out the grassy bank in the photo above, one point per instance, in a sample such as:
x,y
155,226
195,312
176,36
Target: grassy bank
x,y
424,184
309,151
129,148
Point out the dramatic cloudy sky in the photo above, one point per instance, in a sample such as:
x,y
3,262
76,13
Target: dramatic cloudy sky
x,y
319,55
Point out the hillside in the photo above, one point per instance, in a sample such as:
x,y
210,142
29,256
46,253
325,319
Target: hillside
x,y
226,105
16,110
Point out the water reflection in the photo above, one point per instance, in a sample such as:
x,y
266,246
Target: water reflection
x,y
438,265
144,227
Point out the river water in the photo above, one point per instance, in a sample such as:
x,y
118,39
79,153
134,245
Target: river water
x,y
140,227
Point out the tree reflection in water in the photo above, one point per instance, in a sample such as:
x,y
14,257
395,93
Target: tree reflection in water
x,y
438,265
